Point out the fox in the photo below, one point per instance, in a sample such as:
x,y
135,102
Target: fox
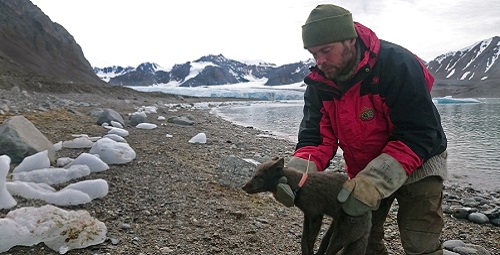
x,y
316,196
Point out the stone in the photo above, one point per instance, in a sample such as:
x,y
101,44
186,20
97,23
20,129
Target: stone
x,y
234,172
452,244
493,213
495,222
183,120
462,212
109,115
137,118
478,218
19,138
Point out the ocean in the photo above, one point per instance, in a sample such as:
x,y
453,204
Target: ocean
x,y
473,132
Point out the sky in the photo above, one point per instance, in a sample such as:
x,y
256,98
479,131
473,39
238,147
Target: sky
x,y
128,33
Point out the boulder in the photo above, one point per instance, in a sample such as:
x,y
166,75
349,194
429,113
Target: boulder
x,y
19,138
109,115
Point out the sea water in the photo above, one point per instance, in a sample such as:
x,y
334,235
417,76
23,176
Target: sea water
x,y
473,132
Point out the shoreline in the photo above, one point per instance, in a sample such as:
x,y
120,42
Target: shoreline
x,y
169,196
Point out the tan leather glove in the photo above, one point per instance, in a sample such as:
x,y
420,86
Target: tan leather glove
x,y
284,193
379,179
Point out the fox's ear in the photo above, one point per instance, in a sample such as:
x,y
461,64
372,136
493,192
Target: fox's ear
x,y
279,162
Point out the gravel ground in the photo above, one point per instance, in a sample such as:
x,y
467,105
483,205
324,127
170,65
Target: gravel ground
x,y
168,200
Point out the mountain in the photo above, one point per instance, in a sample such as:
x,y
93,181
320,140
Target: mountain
x,y
470,72
38,54
205,71
473,68
470,65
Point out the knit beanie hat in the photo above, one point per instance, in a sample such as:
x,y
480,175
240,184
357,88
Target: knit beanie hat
x,y
327,23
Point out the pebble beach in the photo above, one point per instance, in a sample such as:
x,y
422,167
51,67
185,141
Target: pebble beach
x,y
170,199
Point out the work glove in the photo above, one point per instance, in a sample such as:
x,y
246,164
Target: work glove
x,y
284,193
378,180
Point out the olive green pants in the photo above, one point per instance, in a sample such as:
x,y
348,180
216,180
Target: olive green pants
x,y
420,218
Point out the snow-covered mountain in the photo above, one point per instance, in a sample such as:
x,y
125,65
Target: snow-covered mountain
x,y
205,71
107,73
472,65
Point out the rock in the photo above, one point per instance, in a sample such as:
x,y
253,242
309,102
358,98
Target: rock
x,y
470,249
465,251
137,118
452,244
234,171
109,115
462,212
96,113
183,120
495,222
493,213
478,218
19,138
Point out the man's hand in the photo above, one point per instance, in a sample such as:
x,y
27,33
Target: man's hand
x,y
379,179
284,193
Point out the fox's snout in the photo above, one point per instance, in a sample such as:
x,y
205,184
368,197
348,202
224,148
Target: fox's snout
x,y
249,188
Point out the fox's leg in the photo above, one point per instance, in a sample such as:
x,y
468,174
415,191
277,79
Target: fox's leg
x,y
326,240
310,231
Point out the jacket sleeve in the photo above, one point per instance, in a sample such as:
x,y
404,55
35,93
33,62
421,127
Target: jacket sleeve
x,y
417,133
315,138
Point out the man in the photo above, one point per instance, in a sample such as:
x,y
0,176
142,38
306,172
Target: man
x,y
372,99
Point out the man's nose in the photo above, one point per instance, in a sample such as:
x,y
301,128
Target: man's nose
x,y
320,59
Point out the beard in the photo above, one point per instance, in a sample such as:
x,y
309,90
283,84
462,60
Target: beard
x,y
344,70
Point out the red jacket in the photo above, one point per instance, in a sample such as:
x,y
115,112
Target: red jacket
x,y
386,108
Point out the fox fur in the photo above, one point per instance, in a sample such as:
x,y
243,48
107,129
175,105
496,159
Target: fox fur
x,y
316,198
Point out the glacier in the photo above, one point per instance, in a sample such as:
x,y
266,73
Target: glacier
x,y
247,91
257,90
